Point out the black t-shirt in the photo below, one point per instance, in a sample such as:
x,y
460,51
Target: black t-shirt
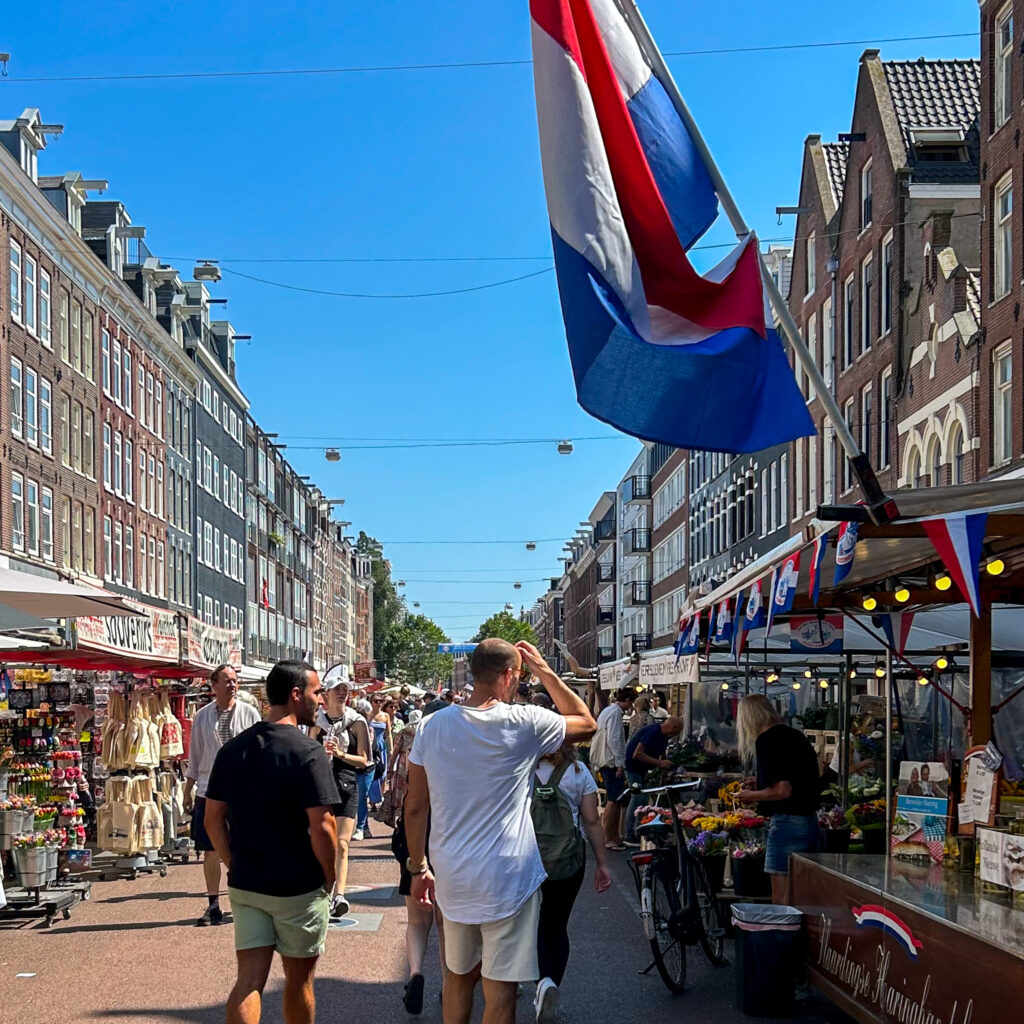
x,y
786,755
655,744
269,776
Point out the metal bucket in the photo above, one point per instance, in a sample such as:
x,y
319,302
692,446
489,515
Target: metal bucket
x,y
10,826
31,866
51,863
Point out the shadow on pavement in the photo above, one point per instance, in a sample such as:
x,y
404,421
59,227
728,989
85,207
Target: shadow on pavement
x,y
130,926
161,896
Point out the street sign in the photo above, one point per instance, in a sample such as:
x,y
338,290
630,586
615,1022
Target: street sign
x,y
456,648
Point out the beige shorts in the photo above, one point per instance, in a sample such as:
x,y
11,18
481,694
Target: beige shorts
x,y
506,950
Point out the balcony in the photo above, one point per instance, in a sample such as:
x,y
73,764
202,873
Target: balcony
x,y
605,654
638,541
638,489
641,641
605,614
604,531
639,593
605,572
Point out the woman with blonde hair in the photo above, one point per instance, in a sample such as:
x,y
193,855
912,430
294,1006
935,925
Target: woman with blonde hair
x,y
641,716
786,789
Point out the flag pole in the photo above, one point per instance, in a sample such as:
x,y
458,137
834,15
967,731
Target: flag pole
x,y
880,506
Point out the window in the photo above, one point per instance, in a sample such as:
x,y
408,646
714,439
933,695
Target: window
x,y
812,347
234,493
216,477
88,350
886,284
801,468
88,544
935,464
17,512
17,402
84,451
849,308
216,550
784,487
828,455
828,343
956,455
76,336
16,307
215,412
865,422
32,516
65,430
1002,86
848,416
31,407
153,497
129,557
149,402
143,574
208,470
914,469
142,395
208,543
1002,243
77,441
153,582
158,426
160,490
226,492
234,560
206,395
812,269
227,552
208,610
127,381
108,552
161,575
866,309
812,473
118,570
106,456
45,415
105,360
65,532
45,328
62,326
884,418
30,294
117,373
1002,405
865,196
129,470
118,465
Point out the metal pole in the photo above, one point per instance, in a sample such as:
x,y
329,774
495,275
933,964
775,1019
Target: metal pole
x,y
873,492
845,689
888,738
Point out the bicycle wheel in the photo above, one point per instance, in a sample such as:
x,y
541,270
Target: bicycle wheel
x,y
712,938
669,952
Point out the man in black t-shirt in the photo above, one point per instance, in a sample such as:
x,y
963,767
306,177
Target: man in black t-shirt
x,y
268,815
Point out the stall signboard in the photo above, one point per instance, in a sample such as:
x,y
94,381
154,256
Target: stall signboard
x,y
153,634
884,962
980,789
668,670
1001,858
922,803
815,634
364,671
209,646
456,648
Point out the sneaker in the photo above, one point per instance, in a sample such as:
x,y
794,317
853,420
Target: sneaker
x,y
339,907
545,1003
212,915
357,835
413,998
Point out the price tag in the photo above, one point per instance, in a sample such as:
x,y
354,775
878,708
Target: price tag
x,y
965,814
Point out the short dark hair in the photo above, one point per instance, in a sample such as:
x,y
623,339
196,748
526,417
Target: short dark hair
x,y
215,674
491,659
624,694
284,677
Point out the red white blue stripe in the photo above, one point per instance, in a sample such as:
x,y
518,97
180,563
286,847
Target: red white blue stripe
x,y
817,557
846,551
657,350
871,915
783,588
959,540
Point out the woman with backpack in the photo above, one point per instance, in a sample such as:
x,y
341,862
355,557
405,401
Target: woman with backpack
x,y
564,802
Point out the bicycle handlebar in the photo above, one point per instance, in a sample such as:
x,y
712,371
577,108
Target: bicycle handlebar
x,y
689,784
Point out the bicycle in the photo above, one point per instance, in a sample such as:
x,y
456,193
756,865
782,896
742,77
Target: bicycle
x,y
677,906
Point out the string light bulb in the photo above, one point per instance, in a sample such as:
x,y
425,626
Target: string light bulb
x,y
853,673
943,582
995,566
942,664
922,680
879,672
823,683
870,603
902,594
725,686
796,685
808,674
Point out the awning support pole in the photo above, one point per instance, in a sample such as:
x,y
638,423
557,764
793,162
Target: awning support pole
x,y
888,738
981,674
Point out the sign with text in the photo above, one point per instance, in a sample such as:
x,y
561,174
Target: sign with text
x,y
668,670
364,671
209,646
816,635
153,634
1001,858
922,802
456,648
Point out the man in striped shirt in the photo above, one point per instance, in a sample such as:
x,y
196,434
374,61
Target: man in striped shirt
x,y
221,720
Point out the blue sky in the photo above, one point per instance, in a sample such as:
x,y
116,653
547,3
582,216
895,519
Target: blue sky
x,y
440,163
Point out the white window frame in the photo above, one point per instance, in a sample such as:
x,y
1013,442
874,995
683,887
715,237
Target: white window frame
x,y
46,524
45,415
32,406
849,313
867,195
847,475
810,264
812,347
15,288
866,397
116,377
30,283
17,393
884,413
105,360
127,378
828,343
1002,237
45,309
885,285
129,470
1002,83
1002,406
32,516
108,444
17,512
867,279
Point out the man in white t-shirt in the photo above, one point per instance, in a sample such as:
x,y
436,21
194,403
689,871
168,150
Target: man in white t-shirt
x,y
470,772
658,713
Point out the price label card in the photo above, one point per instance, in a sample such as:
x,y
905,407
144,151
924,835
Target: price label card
x,y
964,814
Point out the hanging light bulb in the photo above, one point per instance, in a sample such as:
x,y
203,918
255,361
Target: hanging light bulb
x,y
808,674
902,594
879,671
823,683
853,673
942,663
725,686
922,680
995,566
796,685
943,581
531,545
870,603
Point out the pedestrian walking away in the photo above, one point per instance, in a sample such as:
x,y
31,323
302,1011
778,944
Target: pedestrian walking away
x,y
564,798
608,756
469,774
216,723
364,777
268,813
346,739
786,789
644,752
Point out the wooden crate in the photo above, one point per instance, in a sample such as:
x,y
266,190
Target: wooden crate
x,y
824,742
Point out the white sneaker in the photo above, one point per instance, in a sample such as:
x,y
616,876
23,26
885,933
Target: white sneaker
x,y
358,834
545,1003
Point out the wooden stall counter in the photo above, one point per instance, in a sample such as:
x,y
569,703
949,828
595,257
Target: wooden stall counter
x,y
901,943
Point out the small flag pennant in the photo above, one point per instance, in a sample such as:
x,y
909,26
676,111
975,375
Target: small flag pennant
x,y
817,557
846,551
753,618
738,632
691,644
896,627
959,540
784,581
723,623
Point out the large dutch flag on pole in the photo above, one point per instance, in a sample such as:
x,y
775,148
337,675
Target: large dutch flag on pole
x,y
657,350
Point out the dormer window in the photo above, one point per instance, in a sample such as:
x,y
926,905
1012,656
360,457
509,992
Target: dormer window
x,y
29,158
942,145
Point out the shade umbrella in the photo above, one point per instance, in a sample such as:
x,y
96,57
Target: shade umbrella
x,y
54,599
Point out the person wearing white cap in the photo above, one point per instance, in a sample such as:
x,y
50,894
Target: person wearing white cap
x,y
346,740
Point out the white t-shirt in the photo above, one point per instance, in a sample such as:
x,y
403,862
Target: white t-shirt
x,y
659,714
576,783
479,766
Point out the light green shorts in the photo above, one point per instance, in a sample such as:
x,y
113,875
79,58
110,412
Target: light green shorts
x,y
295,925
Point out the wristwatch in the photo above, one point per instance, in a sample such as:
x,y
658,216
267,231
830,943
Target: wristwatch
x,y
416,869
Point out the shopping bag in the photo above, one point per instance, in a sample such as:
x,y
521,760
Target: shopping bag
x,y
171,746
389,809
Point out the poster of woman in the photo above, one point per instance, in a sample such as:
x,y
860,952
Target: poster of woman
x,y
919,824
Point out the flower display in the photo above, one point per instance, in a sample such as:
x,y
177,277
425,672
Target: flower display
x,y
29,841
869,814
833,818
748,850
709,844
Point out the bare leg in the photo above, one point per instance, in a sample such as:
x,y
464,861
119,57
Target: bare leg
x,y
417,934
346,826
211,872
499,1002
299,1002
246,998
611,819
458,997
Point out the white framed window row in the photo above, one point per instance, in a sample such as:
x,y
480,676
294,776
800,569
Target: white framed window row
x,y
31,397
31,517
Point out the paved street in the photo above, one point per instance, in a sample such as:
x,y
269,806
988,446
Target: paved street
x,y
133,954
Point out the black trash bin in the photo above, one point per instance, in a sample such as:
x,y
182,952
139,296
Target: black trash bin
x,y
767,956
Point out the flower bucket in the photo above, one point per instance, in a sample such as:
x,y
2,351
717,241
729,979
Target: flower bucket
x,y
874,840
28,821
714,870
10,822
749,878
30,864
835,840
51,863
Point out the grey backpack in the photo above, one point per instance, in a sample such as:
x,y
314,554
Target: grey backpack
x,y
558,838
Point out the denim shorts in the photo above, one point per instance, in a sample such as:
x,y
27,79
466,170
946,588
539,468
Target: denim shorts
x,y
614,784
789,833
